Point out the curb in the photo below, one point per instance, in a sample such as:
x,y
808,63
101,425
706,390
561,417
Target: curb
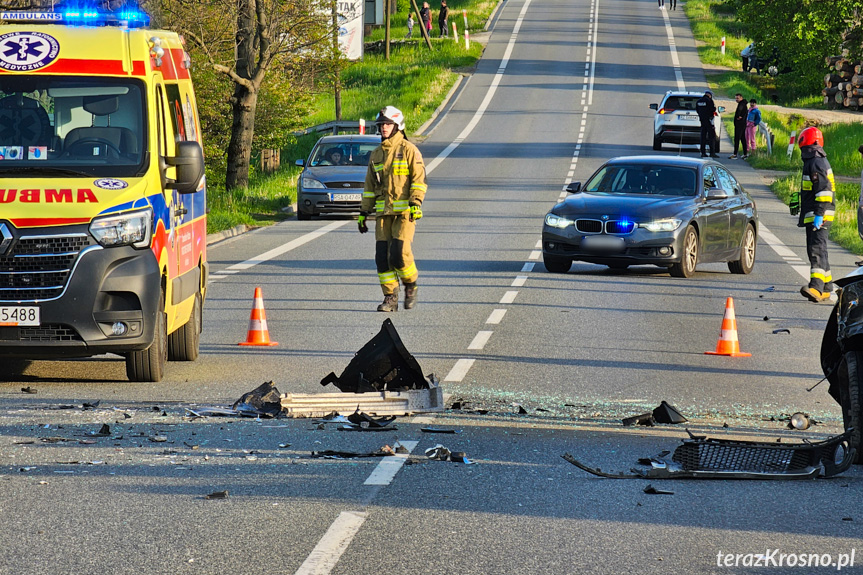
x,y
492,16
439,109
217,237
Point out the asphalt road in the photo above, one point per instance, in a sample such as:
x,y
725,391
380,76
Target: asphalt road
x,y
562,86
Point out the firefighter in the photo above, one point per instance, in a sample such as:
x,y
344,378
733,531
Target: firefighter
x,y
816,208
395,188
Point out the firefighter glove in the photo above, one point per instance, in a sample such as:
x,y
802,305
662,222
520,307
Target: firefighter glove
x,y
818,222
416,213
361,224
794,203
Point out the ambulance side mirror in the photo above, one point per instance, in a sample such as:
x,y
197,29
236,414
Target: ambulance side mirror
x,y
189,162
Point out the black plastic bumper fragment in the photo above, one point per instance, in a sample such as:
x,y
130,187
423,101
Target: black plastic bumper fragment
x,y
707,458
382,364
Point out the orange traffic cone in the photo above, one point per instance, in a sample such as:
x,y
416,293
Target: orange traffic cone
x,y
728,343
258,333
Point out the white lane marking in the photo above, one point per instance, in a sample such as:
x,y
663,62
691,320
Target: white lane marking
x,y
229,271
528,267
480,340
488,96
422,420
534,255
508,297
386,470
781,249
215,277
496,316
329,549
538,244
519,281
459,370
595,9
672,45
284,248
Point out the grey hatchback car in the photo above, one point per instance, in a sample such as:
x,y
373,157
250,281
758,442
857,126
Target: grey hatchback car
x,y
334,175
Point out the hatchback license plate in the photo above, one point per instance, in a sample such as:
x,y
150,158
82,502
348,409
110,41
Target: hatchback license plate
x,y
687,117
602,244
346,197
19,315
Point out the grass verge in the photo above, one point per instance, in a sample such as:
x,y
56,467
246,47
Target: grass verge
x,y
415,80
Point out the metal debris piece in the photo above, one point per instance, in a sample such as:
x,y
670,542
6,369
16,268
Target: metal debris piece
x,y
651,490
29,389
438,430
645,419
217,495
438,453
333,454
105,430
382,364
265,401
367,422
700,457
782,330
667,413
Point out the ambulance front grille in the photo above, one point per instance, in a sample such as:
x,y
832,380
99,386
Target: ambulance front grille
x,y
38,267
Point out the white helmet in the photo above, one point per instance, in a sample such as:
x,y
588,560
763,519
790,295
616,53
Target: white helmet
x,y
391,115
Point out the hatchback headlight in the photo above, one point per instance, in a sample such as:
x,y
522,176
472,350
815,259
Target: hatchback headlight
x,y
130,229
666,225
312,184
556,221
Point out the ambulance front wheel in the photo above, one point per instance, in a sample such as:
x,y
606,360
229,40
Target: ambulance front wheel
x,y
149,365
184,344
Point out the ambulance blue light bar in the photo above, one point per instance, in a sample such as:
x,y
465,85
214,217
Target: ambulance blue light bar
x,y
82,17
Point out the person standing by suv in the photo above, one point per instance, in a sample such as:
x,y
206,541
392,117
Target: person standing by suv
x,y
740,115
395,188
706,112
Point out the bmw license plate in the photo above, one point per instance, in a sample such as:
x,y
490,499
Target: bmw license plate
x,y
602,244
19,315
687,117
346,197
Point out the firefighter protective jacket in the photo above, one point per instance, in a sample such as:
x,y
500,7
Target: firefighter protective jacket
x,y
816,193
396,177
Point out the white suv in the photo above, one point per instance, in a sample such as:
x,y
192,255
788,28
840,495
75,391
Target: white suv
x,y
676,121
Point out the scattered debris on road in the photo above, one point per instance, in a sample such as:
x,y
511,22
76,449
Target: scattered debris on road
x,y
663,413
217,495
265,400
441,453
651,490
700,457
28,389
438,430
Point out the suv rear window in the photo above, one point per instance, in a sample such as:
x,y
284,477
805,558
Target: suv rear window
x,y
680,103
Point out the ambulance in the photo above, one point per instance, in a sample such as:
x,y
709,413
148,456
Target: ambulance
x,y
102,191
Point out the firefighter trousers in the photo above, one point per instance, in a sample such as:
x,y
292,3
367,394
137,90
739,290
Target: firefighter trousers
x,y
393,256
820,277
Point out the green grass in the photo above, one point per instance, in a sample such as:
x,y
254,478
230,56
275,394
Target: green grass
x,y
710,22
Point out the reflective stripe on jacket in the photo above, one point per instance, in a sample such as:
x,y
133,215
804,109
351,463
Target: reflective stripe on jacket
x,y
817,188
396,177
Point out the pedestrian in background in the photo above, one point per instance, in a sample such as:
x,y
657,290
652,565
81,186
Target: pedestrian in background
x,y
425,16
674,4
395,188
753,118
740,115
706,112
661,4
442,17
817,209
410,25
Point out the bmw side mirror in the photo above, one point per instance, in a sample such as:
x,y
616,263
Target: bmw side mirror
x,y
574,187
654,106
716,194
301,162
721,109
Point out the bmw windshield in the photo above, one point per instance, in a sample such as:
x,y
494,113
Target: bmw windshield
x,y
55,126
642,179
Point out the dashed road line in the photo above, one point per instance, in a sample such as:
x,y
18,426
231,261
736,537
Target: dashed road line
x,y
335,541
496,316
508,297
480,340
518,281
459,370
386,470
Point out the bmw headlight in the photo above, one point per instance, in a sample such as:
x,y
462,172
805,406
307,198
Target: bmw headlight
x,y
556,221
666,225
129,229
312,184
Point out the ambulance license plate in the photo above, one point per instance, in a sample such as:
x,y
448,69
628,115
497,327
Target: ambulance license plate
x,y
346,197
19,315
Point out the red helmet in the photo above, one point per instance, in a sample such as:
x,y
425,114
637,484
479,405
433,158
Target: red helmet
x,y
810,136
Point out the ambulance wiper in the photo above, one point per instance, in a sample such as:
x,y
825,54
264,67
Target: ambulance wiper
x,y
44,171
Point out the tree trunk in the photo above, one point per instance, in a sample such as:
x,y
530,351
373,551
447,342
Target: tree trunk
x,y
244,104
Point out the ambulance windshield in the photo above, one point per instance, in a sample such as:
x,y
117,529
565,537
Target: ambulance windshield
x,y
71,125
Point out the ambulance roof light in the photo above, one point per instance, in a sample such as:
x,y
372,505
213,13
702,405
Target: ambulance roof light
x,y
131,18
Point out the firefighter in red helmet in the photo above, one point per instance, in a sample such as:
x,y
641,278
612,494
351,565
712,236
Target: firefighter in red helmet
x,y
395,188
816,210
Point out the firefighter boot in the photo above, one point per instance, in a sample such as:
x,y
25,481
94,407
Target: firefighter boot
x,y
814,295
411,295
390,303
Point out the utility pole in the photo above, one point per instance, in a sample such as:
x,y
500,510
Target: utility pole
x,y
387,19
337,80
421,25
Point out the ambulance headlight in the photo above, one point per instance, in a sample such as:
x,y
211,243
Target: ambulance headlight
x,y
129,229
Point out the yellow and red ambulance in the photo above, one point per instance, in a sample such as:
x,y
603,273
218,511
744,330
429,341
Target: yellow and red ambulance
x,y
102,191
